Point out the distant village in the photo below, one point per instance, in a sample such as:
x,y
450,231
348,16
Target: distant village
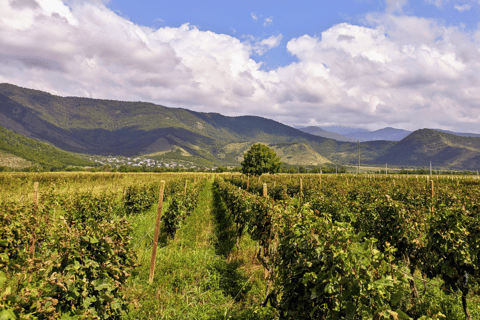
x,y
140,162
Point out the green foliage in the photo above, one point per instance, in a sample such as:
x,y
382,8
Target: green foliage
x,y
77,269
442,149
193,280
181,206
139,198
328,247
221,169
86,208
38,152
71,255
328,271
260,159
340,246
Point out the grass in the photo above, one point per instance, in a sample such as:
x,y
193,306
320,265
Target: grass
x,y
199,274
19,185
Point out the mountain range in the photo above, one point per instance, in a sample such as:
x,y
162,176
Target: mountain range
x,y
354,134
109,127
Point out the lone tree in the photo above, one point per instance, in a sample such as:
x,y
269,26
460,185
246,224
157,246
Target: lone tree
x,y
260,159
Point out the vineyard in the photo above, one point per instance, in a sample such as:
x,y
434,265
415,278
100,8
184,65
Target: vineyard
x,y
79,246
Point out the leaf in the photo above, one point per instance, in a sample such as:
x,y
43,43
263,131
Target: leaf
x,y
402,315
68,317
3,278
100,285
7,291
7,315
396,297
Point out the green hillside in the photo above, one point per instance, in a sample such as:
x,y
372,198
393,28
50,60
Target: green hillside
x,y
108,127
442,149
121,128
36,152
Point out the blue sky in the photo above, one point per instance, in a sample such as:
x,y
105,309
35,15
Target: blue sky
x,y
291,19
249,18
358,63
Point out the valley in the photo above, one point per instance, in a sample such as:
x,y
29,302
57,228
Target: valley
x,y
87,132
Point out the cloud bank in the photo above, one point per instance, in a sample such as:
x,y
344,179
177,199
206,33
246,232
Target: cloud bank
x,y
397,70
463,7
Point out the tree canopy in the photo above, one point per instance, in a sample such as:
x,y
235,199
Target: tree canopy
x,y
260,159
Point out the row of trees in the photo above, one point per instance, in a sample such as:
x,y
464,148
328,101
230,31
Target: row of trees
x,y
258,160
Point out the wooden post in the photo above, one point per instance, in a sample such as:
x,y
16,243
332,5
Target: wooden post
x,y
31,249
157,231
264,189
359,156
432,195
301,187
35,193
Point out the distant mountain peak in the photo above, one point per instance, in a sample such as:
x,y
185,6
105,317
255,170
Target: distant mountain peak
x,y
95,126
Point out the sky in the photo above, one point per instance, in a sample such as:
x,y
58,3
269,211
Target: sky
x,y
357,63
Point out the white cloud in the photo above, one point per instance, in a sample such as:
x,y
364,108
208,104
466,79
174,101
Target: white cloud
x,y
395,5
260,47
268,21
254,16
464,7
437,3
401,71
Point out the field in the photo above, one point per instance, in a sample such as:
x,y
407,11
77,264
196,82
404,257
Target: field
x,y
232,247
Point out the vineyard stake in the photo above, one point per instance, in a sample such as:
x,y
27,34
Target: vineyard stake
x,y
31,250
264,189
157,230
35,193
358,156
432,195
301,185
